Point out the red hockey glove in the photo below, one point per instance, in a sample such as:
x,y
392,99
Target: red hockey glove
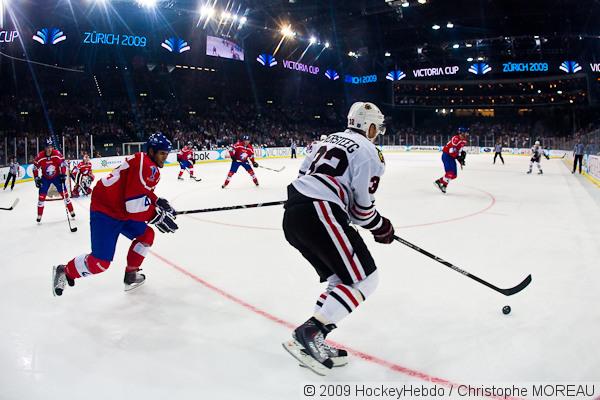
x,y
385,233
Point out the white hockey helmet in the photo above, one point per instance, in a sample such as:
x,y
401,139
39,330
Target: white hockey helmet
x,y
323,137
537,142
364,114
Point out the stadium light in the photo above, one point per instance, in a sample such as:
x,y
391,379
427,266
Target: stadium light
x,y
147,3
313,40
405,4
449,25
468,45
234,18
470,59
225,15
479,58
287,31
435,27
326,45
243,21
422,1
455,46
388,54
206,11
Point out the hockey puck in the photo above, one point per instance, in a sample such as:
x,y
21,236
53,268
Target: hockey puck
x,y
506,310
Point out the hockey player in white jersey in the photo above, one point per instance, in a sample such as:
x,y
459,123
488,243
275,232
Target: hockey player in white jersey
x,y
336,187
536,156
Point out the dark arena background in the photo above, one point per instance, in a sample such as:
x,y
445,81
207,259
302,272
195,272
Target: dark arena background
x,y
98,78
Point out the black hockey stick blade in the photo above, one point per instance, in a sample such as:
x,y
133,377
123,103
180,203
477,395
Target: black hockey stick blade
x,y
14,204
506,292
256,205
518,288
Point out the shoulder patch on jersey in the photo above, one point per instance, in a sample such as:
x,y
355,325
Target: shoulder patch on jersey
x,y
380,154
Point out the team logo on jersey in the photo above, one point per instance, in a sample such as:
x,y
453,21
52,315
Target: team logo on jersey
x,y
266,60
49,36
380,156
51,170
153,173
175,45
570,67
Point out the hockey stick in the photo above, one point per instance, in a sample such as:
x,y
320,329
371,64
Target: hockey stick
x,y
273,169
506,292
72,227
256,205
14,204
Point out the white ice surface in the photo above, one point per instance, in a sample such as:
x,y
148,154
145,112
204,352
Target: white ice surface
x,y
175,338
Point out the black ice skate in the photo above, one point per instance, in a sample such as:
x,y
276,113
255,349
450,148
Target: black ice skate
x,y
133,280
529,171
59,278
338,356
440,185
540,172
180,178
38,219
308,346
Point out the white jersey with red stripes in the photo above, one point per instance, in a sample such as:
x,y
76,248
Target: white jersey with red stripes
x,y
344,169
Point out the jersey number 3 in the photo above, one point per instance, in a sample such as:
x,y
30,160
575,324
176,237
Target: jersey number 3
x,y
325,168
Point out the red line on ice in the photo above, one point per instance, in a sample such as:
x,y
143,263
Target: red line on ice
x,y
365,356
444,221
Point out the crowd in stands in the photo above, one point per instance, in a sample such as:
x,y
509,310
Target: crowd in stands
x,y
25,124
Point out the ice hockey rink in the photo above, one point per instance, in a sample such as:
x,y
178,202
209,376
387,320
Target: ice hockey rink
x,y
226,289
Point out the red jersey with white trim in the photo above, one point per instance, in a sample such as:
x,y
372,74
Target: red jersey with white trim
x,y
84,168
50,166
454,146
127,193
186,154
242,153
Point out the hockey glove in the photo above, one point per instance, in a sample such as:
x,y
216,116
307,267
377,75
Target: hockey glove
x,y
164,206
385,233
254,164
38,182
461,158
164,221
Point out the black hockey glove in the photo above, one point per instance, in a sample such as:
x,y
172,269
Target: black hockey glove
x,y
462,157
385,233
38,182
63,178
164,206
164,221
254,164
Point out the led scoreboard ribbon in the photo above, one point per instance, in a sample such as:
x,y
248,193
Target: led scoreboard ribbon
x,y
114,39
358,80
525,67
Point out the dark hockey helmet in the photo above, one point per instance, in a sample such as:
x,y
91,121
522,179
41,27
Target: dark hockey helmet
x,y
158,141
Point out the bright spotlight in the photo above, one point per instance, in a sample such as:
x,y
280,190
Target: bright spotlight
x,y
450,25
455,46
243,20
326,45
435,27
225,15
470,59
388,54
313,40
421,1
147,3
405,4
206,11
287,31
468,45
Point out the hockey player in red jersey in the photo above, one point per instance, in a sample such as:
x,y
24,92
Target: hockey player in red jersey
x,y
50,168
185,157
242,155
452,152
122,204
84,177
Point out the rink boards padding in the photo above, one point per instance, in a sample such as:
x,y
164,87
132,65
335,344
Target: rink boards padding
x,y
106,164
